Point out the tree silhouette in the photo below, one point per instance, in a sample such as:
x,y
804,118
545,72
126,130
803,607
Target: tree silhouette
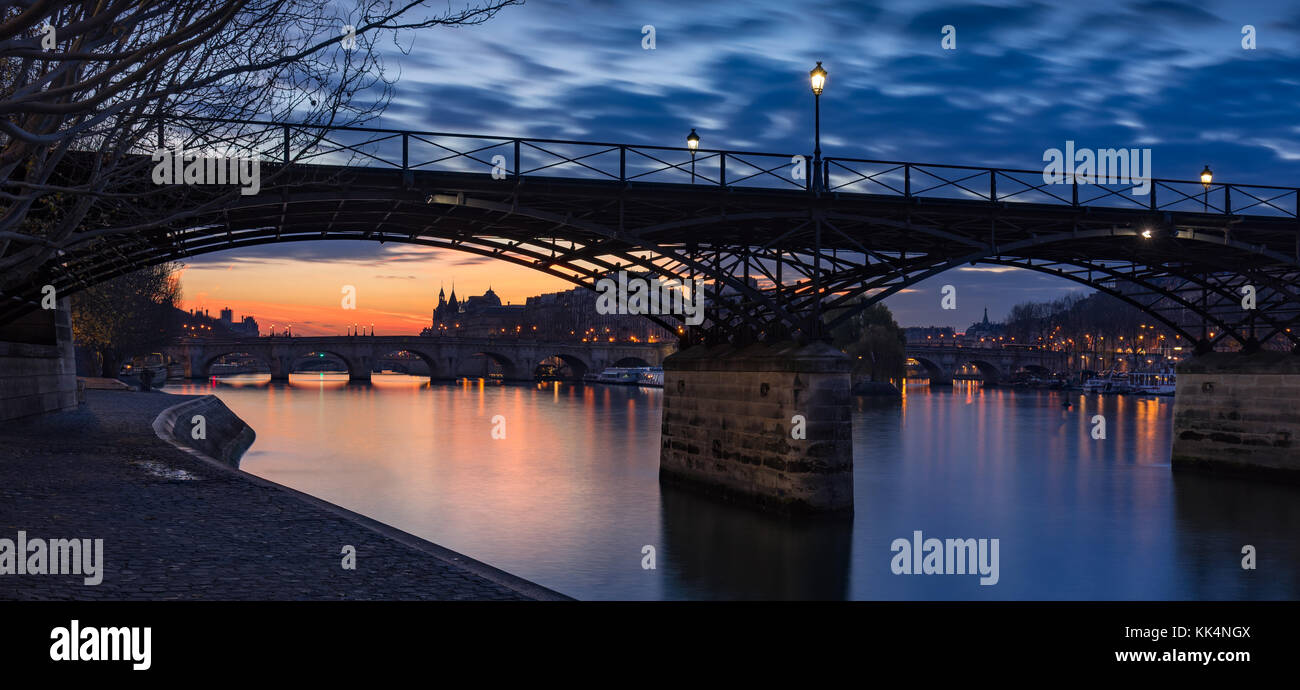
x,y
126,316
85,87
873,341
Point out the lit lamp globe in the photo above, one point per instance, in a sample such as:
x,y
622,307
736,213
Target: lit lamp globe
x,y
692,141
818,77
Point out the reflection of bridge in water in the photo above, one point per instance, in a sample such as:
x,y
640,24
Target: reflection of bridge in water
x,y
995,364
445,357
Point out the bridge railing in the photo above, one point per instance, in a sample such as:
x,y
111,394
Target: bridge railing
x,y
514,157
1029,186
508,157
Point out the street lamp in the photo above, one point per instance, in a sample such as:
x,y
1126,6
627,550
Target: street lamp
x,y
1206,178
818,77
692,143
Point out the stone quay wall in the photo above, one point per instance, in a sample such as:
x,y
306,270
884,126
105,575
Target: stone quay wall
x,y
38,369
225,436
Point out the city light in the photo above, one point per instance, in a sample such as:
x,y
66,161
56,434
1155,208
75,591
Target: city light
x,y
818,77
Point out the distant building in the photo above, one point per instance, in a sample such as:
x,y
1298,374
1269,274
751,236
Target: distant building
x,y
476,316
199,323
247,327
985,329
923,334
567,315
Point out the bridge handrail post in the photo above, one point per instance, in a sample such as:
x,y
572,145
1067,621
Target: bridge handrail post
x,y
993,184
517,166
622,163
286,144
907,180
722,170
1227,199
406,159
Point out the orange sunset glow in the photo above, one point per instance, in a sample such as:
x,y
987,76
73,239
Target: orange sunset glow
x,y
396,288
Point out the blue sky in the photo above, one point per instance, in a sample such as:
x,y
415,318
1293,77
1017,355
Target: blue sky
x,y
1024,77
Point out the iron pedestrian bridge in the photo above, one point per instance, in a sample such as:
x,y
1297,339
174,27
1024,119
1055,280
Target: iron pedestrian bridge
x,y
995,364
446,357
782,257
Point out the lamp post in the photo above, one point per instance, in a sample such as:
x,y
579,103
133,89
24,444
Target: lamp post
x,y
1206,178
818,77
692,143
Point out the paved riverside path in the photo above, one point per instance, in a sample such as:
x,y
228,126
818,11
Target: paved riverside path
x,y
177,527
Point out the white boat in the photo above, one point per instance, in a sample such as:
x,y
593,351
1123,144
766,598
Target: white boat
x,y
1160,382
1108,383
633,376
617,375
652,376
1096,384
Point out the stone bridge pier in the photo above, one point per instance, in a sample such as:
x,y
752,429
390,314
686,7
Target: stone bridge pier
x,y
1237,413
764,424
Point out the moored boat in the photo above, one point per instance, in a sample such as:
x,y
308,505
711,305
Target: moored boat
x,y
1156,382
632,376
1113,382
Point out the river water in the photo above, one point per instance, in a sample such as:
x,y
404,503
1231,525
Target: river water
x,y
570,496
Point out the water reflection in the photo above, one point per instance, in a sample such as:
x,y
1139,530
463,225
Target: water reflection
x,y
1216,517
722,551
569,494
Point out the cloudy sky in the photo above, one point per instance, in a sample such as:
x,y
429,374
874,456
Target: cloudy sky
x,y
1024,77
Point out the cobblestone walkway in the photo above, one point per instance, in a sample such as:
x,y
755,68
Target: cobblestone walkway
x,y
102,473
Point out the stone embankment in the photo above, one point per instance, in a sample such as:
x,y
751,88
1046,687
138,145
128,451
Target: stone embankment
x,y
180,522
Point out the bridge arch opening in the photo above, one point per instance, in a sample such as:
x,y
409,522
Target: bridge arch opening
x,y
1170,306
404,363
321,363
488,365
561,368
988,372
236,367
929,369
